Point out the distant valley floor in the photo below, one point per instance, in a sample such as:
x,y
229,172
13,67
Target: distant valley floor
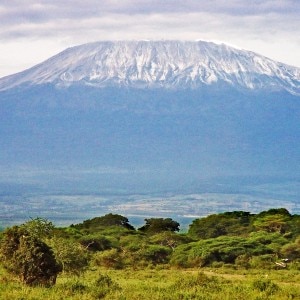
x,y
18,204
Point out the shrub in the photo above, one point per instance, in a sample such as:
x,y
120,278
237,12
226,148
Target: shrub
x,y
72,257
243,261
265,285
28,258
292,250
198,280
102,286
155,254
39,227
108,259
262,262
99,243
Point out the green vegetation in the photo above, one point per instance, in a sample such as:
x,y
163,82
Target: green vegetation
x,y
232,255
29,258
156,225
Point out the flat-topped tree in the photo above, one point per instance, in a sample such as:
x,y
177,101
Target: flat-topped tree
x,y
105,221
156,225
228,223
273,220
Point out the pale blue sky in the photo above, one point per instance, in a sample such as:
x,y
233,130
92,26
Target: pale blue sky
x,y
32,31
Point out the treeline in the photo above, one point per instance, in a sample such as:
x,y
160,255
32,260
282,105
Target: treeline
x,y
37,251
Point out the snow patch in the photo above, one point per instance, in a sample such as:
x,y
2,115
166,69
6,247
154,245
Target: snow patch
x,y
170,64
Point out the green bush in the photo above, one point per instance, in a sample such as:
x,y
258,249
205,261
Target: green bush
x,y
266,261
108,259
95,243
243,261
39,227
96,289
170,239
73,258
103,286
28,257
265,285
291,250
133,243
155,254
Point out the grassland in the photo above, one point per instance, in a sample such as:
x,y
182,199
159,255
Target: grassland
x,y
162,283
228,256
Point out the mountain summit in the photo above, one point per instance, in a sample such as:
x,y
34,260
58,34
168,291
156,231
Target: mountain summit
x,y
159,64
151,113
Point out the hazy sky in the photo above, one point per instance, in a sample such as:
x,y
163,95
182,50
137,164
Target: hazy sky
x,y
32,31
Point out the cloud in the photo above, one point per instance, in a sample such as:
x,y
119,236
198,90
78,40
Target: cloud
x,y
17,13
158,25
36,11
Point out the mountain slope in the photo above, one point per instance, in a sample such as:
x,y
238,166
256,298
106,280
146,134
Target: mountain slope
x,y
152,64
152,112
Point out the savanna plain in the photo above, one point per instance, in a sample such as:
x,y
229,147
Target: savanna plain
x,y
231,255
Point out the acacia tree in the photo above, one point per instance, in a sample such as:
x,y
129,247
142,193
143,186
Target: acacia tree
x,y
105,221
229,223
273,220
156,225
27,257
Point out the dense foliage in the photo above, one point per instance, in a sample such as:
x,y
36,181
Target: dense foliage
x,y
37,251
228,223
156,225
104,221
26,256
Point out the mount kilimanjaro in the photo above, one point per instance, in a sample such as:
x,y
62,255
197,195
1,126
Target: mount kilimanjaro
x,y
153,111
164,64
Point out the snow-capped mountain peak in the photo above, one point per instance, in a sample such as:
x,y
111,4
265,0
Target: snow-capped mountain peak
x,y
167,64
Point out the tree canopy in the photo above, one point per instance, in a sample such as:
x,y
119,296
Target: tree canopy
x,y
105,221
37,252
156,225
229,223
